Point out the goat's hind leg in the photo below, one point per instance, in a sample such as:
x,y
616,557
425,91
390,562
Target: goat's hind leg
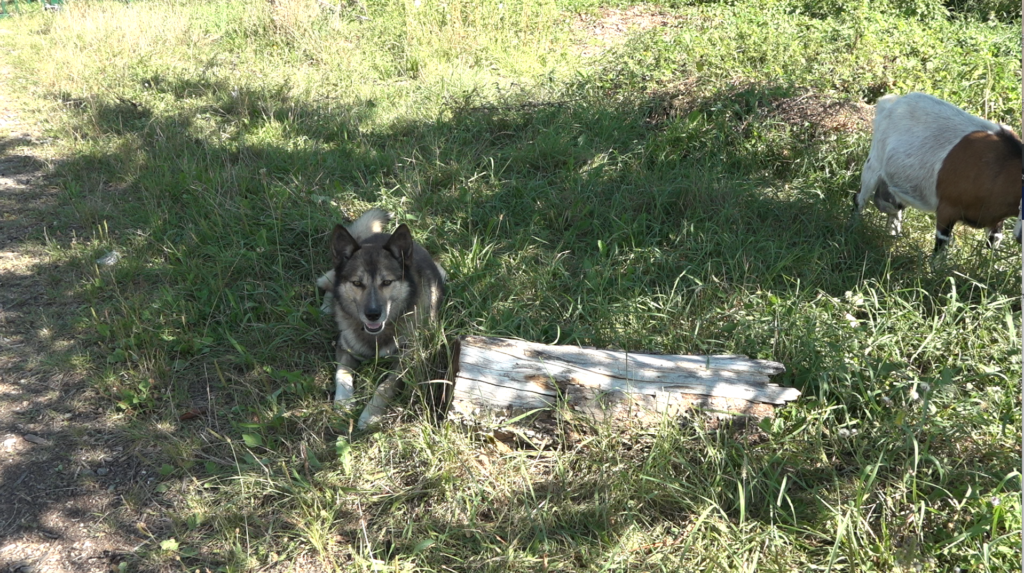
x,y
943,234
995,236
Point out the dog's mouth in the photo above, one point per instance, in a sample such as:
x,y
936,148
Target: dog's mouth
x,y
373,327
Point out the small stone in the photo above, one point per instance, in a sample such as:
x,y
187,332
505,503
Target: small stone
x,y
35,439
109,259
102,471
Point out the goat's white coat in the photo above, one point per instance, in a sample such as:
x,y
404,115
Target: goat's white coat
x,y
912,136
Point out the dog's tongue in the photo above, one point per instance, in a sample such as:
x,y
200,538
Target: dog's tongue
x,y
373,327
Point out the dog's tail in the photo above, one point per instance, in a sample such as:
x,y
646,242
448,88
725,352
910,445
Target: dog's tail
x,y
369,223
326,285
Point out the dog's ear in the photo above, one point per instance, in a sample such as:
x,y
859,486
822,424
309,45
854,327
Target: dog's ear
x,y
400,245
342,245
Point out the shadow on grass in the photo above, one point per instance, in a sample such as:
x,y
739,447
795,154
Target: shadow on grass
x,y
645,508
54,428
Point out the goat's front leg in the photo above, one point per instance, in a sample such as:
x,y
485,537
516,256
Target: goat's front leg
x,y
895,223
870,179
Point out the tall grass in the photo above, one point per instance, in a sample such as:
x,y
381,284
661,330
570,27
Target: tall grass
x,y
215,144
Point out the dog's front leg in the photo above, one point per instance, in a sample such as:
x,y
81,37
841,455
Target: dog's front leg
x,y
378,403
345,377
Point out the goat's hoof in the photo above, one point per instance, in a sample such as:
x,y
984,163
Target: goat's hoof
x,y
938,259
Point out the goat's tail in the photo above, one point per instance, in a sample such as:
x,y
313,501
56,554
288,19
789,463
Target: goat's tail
x,y
882,108
884,102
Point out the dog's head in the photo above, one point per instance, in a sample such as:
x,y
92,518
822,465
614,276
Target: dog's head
x,y
372,282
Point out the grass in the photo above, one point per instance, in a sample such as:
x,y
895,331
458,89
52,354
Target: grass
x,y
215,144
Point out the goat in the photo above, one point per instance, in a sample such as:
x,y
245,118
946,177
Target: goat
x,y
928,154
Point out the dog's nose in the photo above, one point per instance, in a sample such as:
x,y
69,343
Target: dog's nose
x,y
372,316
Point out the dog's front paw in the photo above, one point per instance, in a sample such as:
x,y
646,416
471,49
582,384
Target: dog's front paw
x,y
344,387
378,404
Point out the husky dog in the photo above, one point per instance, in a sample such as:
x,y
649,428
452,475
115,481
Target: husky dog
x,y
382,288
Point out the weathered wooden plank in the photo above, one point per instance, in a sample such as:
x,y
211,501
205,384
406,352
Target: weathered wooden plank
x,y
551,383
503,373
484,393
625,369
548,376
595,358
603,406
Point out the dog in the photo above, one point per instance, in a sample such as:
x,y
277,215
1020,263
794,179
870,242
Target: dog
x,y
382,288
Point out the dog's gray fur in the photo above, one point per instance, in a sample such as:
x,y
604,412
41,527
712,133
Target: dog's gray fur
x,y
383,287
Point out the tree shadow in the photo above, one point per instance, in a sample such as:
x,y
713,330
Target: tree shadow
x,y
66,460
582,516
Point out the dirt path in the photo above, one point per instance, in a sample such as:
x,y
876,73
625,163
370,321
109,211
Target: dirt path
x,y
65,469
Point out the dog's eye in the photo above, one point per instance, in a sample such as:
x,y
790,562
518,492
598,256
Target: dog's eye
x,y
385,283
357,284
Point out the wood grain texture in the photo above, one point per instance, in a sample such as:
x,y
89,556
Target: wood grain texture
x,y
500,373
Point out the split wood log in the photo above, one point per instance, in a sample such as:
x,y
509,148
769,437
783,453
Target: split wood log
x,y
514,375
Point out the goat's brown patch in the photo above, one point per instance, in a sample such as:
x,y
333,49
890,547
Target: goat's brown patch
x,y
978,182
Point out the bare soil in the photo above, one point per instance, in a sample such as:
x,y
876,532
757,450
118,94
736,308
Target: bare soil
x,y
67,472
819,112
611,26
